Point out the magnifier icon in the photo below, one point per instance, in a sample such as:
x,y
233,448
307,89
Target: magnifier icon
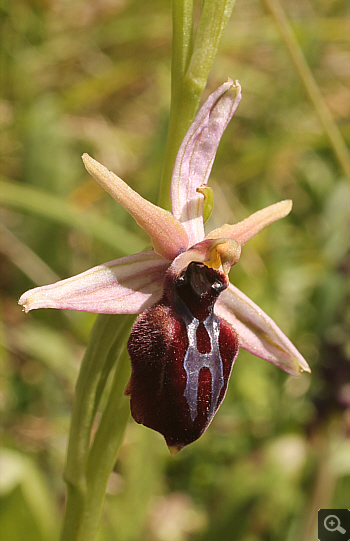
x,y
332,524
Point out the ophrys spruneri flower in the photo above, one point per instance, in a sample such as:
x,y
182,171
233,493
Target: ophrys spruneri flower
x,y
192,319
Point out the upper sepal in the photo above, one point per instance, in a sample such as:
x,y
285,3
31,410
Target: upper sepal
x,y
196,155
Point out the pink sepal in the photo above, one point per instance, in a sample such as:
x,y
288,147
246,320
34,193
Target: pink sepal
x,y
127,285
196,156
258,333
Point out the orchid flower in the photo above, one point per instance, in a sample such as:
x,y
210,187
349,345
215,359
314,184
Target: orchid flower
x,y
192,319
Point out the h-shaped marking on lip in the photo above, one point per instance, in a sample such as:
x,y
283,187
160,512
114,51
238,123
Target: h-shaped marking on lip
x,y
194,361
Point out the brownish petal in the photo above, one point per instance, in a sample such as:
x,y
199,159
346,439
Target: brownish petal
x,y
168,236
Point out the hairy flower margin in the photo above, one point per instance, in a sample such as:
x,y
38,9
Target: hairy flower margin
x,y
144,283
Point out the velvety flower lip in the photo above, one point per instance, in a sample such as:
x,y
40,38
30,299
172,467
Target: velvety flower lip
x,y
181,253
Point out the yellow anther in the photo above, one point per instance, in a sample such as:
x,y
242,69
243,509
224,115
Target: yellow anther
x,y
214,261
223,253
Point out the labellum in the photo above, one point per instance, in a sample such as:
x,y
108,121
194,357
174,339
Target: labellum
x,y
181,357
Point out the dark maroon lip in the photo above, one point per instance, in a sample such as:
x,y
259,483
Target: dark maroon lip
x,y
181,356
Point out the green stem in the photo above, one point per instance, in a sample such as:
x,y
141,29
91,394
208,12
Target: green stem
x,y
105,448
191,64
182,11
212,24
310,85
103,455
103,346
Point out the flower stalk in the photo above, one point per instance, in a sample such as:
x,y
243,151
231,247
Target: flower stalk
x,y
89,464
192,59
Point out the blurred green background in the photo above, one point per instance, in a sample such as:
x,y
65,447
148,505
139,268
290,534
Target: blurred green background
x,y
94,76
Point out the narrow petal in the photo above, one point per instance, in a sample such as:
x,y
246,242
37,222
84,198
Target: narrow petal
x,y
248,228
127,285
168,236
258,333
196,156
